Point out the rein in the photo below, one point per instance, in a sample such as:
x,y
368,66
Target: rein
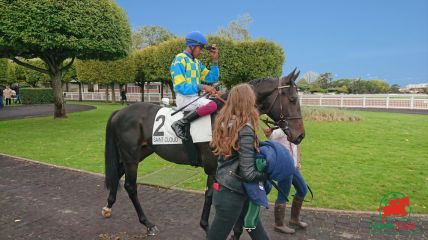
x,y
216,95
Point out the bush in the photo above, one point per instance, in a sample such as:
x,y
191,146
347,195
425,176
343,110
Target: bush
x,y
36,95
320,114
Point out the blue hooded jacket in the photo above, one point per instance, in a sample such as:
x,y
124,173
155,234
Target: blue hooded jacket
x,y
280,166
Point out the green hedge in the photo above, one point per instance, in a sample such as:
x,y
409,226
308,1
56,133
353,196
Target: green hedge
x,y
36,95
240,61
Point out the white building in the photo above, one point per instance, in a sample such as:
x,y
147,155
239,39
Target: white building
x,y
415,88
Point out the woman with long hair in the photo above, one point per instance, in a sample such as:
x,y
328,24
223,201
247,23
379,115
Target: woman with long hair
x,y
236,144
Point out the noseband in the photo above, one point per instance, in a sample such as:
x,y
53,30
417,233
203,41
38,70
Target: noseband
x,y
283,119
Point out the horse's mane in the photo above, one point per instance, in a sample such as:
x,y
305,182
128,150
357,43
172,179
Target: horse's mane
x,y
258,81
253,83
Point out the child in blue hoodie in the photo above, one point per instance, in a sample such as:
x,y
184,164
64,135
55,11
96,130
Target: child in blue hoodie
x,y
297,181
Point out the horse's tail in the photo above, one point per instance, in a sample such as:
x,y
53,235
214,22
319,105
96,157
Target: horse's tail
x,y
111,158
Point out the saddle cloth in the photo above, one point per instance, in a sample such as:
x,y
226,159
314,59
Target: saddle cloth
x,y
200,129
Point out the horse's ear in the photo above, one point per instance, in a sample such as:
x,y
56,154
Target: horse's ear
x,y
289,77
292,73
296,75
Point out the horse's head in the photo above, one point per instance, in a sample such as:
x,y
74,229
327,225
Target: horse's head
x,y
278,98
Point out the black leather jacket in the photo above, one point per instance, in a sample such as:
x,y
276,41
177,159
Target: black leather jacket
x,y
240,167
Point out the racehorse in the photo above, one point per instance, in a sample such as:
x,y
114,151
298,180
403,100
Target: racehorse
x,y
129,135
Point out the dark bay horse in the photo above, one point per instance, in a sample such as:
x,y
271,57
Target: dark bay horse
x,y
129,141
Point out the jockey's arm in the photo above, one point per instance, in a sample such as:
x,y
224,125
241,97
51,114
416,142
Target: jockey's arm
x,y
210,75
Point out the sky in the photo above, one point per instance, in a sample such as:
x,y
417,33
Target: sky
x,y
367,39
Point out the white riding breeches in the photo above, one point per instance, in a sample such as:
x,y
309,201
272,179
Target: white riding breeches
x,y
183,100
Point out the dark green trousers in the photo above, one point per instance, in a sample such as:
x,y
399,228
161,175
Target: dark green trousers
x,y
230,208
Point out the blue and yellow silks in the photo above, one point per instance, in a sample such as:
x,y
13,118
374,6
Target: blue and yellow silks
x,y
188,73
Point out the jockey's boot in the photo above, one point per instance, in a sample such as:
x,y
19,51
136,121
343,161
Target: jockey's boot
x,y
296,206
279,213
180,126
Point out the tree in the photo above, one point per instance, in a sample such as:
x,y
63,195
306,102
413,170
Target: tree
x,y
394,88
69,74
63,29
147,68
377,86
30,76
7,72
303,85
324,80
149,36
119,71
237,29
358,86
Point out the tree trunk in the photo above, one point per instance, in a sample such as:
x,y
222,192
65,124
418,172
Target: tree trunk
x,y
113,94
106,92
171,86
80,91
54,70
161,89
59,111
142,91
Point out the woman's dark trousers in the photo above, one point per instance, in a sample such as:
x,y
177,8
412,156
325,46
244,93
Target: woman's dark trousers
x,y
229,206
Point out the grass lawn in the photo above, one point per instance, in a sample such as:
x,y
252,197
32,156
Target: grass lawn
x,y
349,165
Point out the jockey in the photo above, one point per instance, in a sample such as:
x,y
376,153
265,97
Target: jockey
x,y
188,73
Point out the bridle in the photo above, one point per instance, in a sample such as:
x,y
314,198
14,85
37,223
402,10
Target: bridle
x,y
283,119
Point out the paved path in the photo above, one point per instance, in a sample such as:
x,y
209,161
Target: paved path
x,y
37,110
43,202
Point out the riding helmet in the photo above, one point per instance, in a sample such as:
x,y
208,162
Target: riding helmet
x,y
195,39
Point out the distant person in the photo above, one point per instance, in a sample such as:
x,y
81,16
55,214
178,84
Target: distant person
x,y
123,96
18,96
297,181
1,97
8,95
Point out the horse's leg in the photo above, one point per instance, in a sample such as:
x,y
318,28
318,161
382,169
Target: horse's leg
x,y
106,212
131,188
207,204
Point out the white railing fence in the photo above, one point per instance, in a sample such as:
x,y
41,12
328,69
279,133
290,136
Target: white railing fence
x,y
131,97
347,101
366,101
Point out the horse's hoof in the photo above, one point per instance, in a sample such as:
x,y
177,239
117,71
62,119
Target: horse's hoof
x,y
106,212
152,231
